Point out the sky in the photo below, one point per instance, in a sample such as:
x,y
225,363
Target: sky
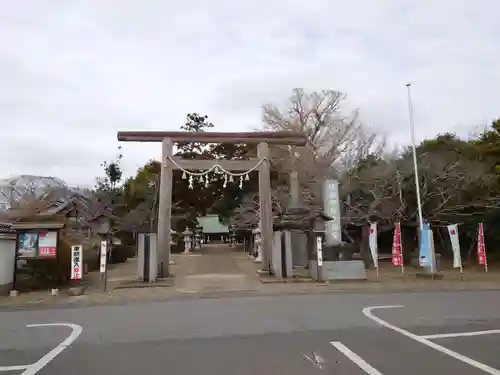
x,y
73,73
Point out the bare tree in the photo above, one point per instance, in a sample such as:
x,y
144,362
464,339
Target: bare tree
x,y
451,187
383,190
336,142
246,215
372,192
28,203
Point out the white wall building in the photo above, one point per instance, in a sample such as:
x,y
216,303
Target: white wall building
x,y
7,256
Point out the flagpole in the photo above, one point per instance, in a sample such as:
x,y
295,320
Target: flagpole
x,y
415,164
432,267
484,247
461,264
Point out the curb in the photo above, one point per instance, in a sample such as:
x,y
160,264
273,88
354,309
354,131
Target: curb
x,y
82,301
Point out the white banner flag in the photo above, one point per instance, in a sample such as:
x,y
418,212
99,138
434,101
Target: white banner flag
x,y
372,240
104,256
455,245
76,262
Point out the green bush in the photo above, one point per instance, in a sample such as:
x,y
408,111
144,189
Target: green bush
x,y
91,258
177,247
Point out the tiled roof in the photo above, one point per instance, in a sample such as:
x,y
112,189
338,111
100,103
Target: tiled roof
x,y
6,228
212,225
86,206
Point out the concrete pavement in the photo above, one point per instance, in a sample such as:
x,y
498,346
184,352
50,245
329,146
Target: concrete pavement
x,y
290,334
216,268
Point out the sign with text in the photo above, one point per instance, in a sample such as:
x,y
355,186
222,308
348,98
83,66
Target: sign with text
x,y
27,245
331,203
319,250
397,250
37,244
104,256
481,247
76,262
455,245
424,259
47,244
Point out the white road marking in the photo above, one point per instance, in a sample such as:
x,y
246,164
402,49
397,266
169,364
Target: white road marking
x,y
360,362
316,360
13,368
460,334
32,369
421,339
44,361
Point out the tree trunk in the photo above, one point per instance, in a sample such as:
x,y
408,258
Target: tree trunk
x,y
472,247
365,246
446,249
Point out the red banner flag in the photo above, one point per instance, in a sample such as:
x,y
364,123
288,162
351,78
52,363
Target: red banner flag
x,y
481,249
397,258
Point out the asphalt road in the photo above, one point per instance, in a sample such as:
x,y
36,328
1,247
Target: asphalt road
x,y
290,334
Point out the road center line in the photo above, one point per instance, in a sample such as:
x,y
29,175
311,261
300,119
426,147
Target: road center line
x,y
461,334
360,362
421,339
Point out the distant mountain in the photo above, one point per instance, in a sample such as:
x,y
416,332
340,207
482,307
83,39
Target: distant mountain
x,y
11,188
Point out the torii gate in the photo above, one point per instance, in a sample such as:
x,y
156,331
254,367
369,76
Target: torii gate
x,y
262,163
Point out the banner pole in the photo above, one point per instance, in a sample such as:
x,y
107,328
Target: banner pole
x,y
401,250
484,247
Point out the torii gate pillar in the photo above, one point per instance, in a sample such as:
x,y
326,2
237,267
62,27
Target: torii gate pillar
x,y
165,208
265,203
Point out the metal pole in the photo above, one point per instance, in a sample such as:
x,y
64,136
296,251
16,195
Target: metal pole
x,y
319,257
417,184
415,165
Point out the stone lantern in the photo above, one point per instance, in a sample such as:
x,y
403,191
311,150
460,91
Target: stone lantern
x,y
198,236
296,234
232,236
187,240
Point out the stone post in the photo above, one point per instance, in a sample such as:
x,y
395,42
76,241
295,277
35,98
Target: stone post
x,y
197,241
165,209
331,203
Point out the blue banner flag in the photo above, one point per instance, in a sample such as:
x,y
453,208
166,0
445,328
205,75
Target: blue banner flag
x,y
424,250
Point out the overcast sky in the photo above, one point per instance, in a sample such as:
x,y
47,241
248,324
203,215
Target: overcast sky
x,y
72,73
